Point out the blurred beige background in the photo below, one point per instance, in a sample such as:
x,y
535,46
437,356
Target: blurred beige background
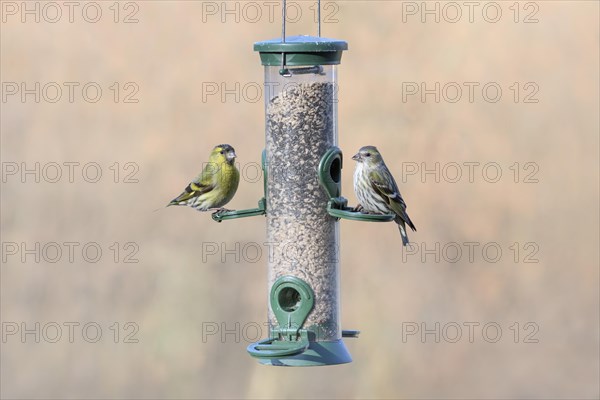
x,y
176,288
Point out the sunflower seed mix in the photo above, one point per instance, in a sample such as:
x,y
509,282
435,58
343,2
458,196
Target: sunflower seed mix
x,y
302,235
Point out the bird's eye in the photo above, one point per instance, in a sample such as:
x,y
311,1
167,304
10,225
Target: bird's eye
x,y
367,154
222,152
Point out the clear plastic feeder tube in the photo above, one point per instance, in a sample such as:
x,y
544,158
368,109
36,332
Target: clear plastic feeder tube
x,y
301,149
301,126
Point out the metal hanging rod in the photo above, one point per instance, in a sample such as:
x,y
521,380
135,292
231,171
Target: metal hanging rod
x,y
284,19
284,71
319,18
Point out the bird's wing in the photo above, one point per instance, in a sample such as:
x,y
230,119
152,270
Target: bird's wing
x,y
205,182
384,184
192,190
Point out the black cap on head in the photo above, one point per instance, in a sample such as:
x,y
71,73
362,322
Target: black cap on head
x,y
225,147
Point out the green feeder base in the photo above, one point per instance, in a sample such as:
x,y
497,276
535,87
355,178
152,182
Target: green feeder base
x,y
317,354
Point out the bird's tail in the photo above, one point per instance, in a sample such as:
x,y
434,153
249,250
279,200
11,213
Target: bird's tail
x,y
402,228
192,190
174,202
410,223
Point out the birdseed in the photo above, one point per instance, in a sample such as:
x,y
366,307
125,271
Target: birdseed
x,y
302,235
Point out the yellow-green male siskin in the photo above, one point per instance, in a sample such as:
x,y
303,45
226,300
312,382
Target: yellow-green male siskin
x,y
377,190
216,185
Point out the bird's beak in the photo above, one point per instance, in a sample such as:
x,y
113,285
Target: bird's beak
x,y
231,156
356,157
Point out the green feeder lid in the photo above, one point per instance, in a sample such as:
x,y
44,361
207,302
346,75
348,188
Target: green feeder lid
x,y
301,50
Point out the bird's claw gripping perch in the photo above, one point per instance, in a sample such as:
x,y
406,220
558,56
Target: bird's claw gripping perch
x,y
219,211
359,208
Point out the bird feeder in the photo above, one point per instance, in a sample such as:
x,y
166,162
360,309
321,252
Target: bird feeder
x,y
301,127
302,169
